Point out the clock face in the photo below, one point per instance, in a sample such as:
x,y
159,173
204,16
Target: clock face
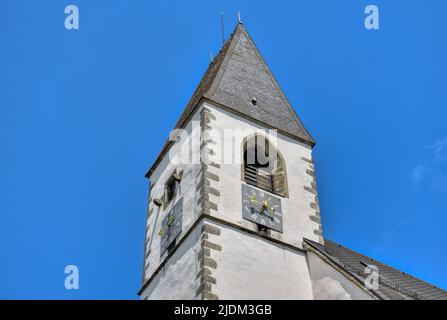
x,y
171,226
261,207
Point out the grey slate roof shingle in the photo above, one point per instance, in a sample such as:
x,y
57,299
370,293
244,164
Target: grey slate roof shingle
x,y
393,284
236,76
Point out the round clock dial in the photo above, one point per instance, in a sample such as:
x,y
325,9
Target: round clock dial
x,y
171,226
261,207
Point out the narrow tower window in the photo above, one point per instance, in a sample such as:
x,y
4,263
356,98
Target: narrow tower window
x,y
170,189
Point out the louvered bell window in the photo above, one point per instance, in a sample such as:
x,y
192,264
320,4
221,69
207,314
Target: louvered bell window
x,y
263,166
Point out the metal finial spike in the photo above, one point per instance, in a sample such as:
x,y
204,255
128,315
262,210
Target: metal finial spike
x,y
239,17
211,56
222,21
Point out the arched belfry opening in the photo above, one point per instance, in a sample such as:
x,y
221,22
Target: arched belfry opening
x,y
263,166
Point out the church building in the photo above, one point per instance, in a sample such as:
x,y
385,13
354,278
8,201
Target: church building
x,y
233,210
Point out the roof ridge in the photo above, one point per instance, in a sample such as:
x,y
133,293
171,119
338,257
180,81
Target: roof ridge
x,y
229,48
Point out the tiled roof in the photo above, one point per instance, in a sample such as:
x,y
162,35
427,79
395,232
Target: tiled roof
x,y
393,284
238,75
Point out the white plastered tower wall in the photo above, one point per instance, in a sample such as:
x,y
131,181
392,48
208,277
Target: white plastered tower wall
x,y
218,254
245,264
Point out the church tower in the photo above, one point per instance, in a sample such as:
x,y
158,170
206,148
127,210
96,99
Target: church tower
x,y
233,192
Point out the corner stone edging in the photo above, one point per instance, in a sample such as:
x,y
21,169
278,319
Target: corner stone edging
x,y
316,217
206,177
207,263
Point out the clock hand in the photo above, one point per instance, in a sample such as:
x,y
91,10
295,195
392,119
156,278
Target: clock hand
x,y
265,205
171,219
262,212
272,217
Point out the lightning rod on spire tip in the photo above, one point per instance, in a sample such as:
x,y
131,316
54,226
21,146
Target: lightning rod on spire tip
x,y
239,17
222,22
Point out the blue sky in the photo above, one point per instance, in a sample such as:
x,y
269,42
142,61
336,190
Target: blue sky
x,y
84,113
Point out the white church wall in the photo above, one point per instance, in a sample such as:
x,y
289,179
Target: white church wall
x,y
330,284
246,261
250,267
187,191
177,279
296,207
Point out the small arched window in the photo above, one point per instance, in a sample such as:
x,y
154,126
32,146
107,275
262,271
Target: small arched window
x,y
263,165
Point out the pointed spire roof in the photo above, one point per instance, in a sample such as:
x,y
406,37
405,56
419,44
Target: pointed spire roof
x,y
234,78
240,74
